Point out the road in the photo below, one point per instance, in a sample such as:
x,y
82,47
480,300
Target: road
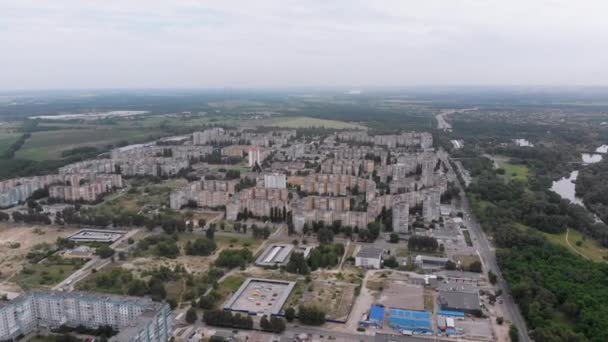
x,y
489,260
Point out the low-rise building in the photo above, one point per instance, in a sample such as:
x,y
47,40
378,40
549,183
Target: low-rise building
x,y
369,257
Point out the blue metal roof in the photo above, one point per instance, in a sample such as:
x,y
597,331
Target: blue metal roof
x,y
450,313
376,313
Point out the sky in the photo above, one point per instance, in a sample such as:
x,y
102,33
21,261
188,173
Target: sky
x,y
72,44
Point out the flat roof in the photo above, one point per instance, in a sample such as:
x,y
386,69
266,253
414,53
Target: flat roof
x,y
260,296
96,235
376,313
370,252
455,300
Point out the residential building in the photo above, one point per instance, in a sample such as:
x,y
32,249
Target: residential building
x,y
137,319
401,216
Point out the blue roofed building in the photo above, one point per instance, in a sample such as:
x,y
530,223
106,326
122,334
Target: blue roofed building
x,y
375,318
414,321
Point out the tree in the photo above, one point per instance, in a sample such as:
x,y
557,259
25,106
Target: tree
x,y
191,315
104,251
391,262
290,314
514,333
325,236
210,233
475,266
200,246
492,277
450,265
297,264
311,315
394,238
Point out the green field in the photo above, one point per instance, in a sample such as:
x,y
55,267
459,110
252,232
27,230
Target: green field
x,y
48,273
303,122
6,140
49,144
587,247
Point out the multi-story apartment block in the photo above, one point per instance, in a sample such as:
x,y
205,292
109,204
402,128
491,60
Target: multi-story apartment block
x,y
136,151
211,136
421,140
91,190
152,166
275,181
347,166
206,193
258,201
90,166
235,150
256,155
338,185
137,319
401,215
431,206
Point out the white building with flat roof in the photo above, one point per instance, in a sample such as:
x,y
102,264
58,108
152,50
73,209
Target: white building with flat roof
x,y
275,181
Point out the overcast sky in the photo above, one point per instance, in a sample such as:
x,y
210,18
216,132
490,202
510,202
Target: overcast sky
x,y
258,43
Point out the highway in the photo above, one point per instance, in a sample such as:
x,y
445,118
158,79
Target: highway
x,y
488,257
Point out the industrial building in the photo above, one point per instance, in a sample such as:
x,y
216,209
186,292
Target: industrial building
x,y
430,263
410,321
260,296
275,255
369,257
463,301
375,318
137,319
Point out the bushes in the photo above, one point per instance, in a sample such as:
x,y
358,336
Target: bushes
x,y
311,315
223,318
231,258
200,246
275,324
422,243
325,256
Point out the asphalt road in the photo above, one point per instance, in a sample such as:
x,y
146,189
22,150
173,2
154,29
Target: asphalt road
x,y
480,242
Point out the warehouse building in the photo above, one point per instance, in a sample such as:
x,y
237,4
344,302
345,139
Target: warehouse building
x,y
275,255
418,322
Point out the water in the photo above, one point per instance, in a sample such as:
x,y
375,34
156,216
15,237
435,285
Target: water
x,y
602,149
523,143
591,158
565,188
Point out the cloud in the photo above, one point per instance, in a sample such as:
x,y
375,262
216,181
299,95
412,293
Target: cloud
x,y
275,43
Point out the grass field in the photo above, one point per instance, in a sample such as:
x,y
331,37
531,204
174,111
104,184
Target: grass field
x,y
49,273
49,144
466,260
6,140
302,122
515,172
578,244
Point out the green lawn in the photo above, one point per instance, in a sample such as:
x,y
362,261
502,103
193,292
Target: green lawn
x,y
302,122
579,244
49,273
513,171
49,144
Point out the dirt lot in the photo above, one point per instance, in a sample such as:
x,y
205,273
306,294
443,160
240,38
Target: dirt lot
x,y
11,256
16,241
336,296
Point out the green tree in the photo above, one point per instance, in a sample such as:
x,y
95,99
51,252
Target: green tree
x,y
191,315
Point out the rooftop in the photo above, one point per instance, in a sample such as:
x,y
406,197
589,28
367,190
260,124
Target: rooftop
x,y
370,252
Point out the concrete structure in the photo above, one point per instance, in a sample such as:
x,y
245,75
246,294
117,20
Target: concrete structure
x,y
430,263
275,181
463,301
275,255
137,319
369,257
258,202
401,217
338,185
97,235
260,296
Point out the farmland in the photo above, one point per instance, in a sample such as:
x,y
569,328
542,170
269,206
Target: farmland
x,y
50,144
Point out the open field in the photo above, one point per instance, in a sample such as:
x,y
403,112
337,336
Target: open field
x,y
12,257
466,260
49,144
48,272
6,140
574,241
512,171
303,122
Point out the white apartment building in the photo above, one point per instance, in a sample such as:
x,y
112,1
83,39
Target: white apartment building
x,y
275,181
